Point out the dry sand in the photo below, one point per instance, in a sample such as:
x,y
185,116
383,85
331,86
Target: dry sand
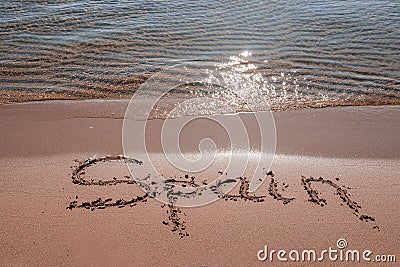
x,y
355,149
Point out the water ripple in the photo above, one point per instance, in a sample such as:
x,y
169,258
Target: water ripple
x,y
81,49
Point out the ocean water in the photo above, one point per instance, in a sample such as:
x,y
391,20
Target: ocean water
x,y
297,53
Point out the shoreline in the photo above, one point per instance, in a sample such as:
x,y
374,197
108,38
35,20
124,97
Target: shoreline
x,y
334,132
8,97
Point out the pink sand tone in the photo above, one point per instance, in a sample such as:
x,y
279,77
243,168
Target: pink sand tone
x,y
355,147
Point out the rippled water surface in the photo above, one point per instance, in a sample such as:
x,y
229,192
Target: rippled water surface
x,y
307,53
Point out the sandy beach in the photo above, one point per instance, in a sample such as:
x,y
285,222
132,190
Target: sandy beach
x,y
200,133
45,221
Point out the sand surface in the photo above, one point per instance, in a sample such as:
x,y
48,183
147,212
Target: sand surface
x,y
355,150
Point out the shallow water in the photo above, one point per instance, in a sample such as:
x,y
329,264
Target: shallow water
x,y
309,53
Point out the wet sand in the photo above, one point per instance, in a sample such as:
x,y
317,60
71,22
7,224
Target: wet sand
x,y
50,216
